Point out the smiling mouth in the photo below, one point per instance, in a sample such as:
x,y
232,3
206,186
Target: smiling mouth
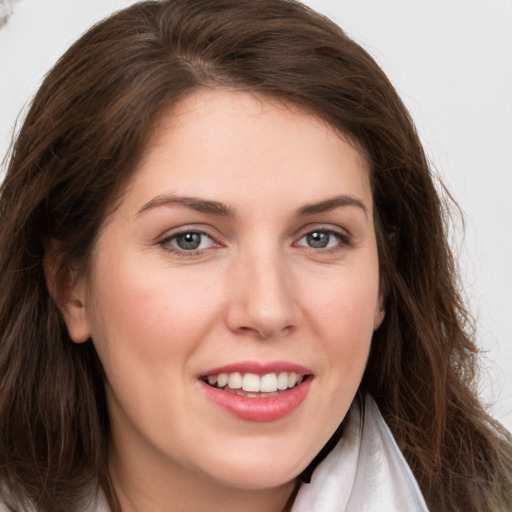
x,y
252,385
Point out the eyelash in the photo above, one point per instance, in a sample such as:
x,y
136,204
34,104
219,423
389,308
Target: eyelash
x,y
344,241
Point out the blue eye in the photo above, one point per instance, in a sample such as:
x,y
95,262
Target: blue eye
x,y
323,239
190,241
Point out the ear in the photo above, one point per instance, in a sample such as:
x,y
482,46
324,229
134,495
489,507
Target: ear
x,y
380,312
69,292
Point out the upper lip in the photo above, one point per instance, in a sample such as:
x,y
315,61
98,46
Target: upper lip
x,y
259,368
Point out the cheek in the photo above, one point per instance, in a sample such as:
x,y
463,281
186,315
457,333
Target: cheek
x,y
347,303
149,317
146,330
343,316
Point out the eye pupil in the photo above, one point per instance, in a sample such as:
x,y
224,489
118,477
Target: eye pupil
x,y
188,241
318,239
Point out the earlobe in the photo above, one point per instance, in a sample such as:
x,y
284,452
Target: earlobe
x,y
68,291
75,316
380,313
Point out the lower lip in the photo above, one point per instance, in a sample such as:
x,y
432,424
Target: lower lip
x,y
263,409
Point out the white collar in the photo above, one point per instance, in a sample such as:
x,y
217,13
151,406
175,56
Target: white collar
x,y
365,472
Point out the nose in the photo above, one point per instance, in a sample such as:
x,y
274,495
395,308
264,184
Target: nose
x,y
263,297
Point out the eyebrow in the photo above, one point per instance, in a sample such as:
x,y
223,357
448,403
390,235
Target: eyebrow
x,y
193,203
223,210
331,204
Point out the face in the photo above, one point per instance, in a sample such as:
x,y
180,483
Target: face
x,y
234,292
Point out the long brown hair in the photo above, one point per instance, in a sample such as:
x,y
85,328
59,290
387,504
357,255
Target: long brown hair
x,y
80,143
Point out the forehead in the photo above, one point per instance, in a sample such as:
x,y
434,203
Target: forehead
x,y
232,145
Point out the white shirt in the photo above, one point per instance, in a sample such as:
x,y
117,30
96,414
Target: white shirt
x,y
365,472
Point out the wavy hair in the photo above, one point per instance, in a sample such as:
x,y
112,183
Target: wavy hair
x,y
81,140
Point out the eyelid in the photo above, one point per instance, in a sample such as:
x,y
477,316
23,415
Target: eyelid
x,y
188,228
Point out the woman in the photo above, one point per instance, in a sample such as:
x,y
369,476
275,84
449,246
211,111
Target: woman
x,y
222,251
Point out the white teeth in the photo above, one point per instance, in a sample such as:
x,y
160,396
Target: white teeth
x,y
222,379
252,383
235,380
268,383
282,381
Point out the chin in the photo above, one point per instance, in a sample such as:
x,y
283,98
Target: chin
x,y
256,476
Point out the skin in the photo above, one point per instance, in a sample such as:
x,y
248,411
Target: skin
x,y
256,290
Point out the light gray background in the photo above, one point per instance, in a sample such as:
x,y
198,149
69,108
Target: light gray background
x,y
451,61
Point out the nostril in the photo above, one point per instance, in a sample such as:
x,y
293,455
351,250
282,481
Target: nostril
x,y
266,333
